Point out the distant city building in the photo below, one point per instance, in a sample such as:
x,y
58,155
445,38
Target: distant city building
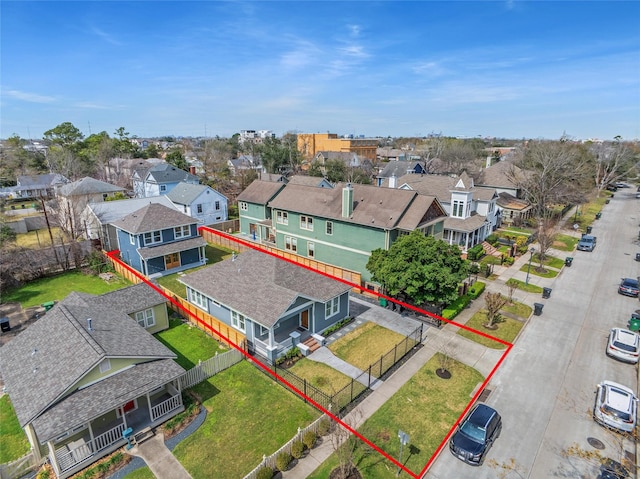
x,y
311,143
255,136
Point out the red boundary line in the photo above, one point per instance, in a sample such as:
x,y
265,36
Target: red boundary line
x,y
114,255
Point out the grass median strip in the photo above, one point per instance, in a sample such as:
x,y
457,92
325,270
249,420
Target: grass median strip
x,y
506,329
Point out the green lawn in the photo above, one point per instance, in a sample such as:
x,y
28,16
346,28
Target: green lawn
x,y
547,273
365,345
323,377
190,343
551,261
529,288
58,287
39,238
426,408
214,254
565,243
507,330
13,440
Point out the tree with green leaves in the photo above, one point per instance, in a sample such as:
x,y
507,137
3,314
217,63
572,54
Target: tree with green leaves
x,y
176,158
420,269
65,135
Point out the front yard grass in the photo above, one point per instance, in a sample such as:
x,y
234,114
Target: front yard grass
x,y
214,254
39,238
529,288
58,287
365,345
426,408
507,330
551,261
190,343
535,269
323,377
565,243
248,415
13,441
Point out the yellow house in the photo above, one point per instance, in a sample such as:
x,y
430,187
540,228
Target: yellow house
x,y
311,143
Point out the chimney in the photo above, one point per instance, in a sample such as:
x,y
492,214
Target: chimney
x,y
393,182
347,201
192,170
89,324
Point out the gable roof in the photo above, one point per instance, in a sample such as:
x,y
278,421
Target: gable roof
x,y
41,181
441,186
42,363
260,286
400,168
167,173
375,207
186,193
510,202
131,299
109,211
498,175
317,181
260,192
153,217
88,186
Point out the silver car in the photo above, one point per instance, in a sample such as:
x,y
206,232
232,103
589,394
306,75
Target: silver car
x,y
615,407
623,345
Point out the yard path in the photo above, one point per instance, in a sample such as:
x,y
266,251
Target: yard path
x,y
324,355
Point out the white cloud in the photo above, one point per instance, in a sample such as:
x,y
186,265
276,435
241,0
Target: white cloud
x,y
30,97
105,36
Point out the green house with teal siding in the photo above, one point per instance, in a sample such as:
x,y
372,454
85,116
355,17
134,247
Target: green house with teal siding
x,y
339,226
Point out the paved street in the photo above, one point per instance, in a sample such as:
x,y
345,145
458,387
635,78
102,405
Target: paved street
x,y
545,388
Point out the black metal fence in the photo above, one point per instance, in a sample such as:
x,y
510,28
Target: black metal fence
x,y
340,400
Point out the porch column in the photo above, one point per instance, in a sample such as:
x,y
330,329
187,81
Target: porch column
x,y
271,345
53,458
149,406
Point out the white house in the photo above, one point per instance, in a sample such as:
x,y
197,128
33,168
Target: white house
x,y
200,202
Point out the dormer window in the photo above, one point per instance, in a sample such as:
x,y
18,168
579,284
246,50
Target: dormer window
x,y
458,209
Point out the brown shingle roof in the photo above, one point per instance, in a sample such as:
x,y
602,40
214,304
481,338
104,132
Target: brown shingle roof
x,y
260,192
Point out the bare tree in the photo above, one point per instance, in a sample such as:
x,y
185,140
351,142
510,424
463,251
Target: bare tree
x,y
512,285
345,445
494,302
614,162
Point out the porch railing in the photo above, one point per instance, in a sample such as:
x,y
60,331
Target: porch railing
x,y
68,458
262,348
165,407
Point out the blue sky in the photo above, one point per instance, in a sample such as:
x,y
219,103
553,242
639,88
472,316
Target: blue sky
x,y
512,69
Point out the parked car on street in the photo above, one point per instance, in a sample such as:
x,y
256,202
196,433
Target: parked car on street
x,y
611,469
629,287
623,345
475,434
587,243
615,406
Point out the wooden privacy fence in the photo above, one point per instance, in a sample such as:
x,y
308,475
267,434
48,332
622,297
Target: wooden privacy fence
x,y
195,315
238,244
212,366
270,461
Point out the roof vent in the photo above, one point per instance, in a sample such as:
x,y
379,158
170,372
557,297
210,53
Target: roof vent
x,y
34,352
89,324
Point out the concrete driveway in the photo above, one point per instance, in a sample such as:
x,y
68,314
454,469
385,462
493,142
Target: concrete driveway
x,y
545,390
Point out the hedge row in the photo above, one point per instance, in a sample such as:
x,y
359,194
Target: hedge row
x,y
459,304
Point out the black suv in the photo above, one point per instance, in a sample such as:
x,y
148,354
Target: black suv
x,y
476,434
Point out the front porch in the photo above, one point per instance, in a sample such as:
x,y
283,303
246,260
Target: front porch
x,y
80,447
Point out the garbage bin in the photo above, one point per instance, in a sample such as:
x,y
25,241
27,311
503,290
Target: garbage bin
x,y
546,293
383,302
598,215
4,324
568,260
589,228
537,308
634,322
48,305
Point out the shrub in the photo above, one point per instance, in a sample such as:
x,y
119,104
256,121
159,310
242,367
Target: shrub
x,y
476,289
324,426
508,261
475,253
297,448
309,439
264,473
492,239
283,460
458,305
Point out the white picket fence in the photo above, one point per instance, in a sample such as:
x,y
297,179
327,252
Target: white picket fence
x,y
212,366
270,461
20,467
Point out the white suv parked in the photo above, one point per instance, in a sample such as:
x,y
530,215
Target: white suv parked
x,y
616,406
623,345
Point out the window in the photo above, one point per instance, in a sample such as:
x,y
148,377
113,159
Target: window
x,y
282,217
182,231
238,321
243,206
152,237
217,205
458,210
306,223
290,243
132,238
329,228
163,188
199,299
262,331
105,365
199,207
311,250
331,307
146,318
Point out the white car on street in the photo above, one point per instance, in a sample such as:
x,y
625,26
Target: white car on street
x,y
616,407
623,345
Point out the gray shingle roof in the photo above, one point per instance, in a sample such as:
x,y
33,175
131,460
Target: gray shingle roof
x,y
169,248
375,207
260,286
42,181
399,168
53,354
260,192
153,217
166,173
104,396
308,181
88,186
186,193
109,211
131,299
469,224
440,186
499,175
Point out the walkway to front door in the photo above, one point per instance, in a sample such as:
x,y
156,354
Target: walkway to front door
x,y
159,458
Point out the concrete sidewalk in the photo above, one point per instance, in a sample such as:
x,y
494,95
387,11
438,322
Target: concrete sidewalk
x,y
159,458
